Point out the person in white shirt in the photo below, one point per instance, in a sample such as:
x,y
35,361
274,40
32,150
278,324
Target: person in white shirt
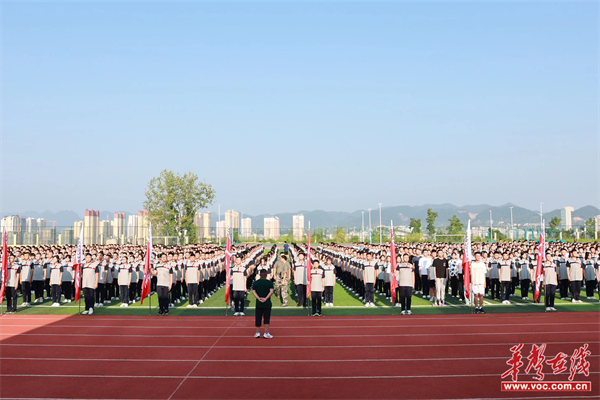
x,y
478,280
424,263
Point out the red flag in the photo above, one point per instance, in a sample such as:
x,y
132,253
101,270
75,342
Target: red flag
x,y
227,268
4,267
466,263
77,265
147,262
393,282
538,272
308,264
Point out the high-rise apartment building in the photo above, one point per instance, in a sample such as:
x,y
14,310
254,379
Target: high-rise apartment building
x,y
118,225
206,217
11,224
105,231
271,228
142,227
221,229
232,220
90,223
132,227
31,226
298,226
566,217
246,227
77,231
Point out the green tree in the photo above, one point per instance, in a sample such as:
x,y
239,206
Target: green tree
x,y
172,201
431,216
590,224
340,235
456,227
554,223
415,224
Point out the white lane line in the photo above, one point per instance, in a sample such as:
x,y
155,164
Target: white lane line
x,y
290,327
340,318
260,361
87,346
268,377
199,361
420,335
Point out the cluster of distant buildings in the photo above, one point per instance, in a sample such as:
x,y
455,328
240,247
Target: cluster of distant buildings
x,y
243,226
21,230
133,229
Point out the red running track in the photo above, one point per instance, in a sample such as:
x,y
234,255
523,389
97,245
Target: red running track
x,y
411,357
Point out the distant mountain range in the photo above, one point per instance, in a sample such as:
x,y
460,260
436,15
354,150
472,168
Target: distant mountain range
x,y
401,215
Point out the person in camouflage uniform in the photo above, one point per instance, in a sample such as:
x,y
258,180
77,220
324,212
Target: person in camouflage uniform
x,y
283,272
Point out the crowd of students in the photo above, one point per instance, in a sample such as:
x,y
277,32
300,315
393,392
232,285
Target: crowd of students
x,y
435,270
195,272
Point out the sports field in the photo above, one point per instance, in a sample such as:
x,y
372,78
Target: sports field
x,y
346,303
381,357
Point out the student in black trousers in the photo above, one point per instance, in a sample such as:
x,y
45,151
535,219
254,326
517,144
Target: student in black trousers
x,y
317,284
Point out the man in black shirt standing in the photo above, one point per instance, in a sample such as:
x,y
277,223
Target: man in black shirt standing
x,y
262,289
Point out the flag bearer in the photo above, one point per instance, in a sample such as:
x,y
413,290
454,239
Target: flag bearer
x,y
89,283
478,280
317,283
405,276
300,280
238,277
164,283
368,277
551,281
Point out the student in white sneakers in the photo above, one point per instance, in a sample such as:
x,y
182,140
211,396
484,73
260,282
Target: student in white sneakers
x,y
406,284
262,289
124,278
329,282
478,270
56,271
550,281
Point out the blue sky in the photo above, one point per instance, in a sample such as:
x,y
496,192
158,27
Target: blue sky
x,y
301,106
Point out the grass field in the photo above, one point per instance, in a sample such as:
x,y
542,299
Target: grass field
x,y
346,303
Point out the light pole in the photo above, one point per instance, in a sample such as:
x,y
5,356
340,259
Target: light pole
x,y
369,226
491,230
242,228
512,226
380,223
362,233
219,229
541,217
